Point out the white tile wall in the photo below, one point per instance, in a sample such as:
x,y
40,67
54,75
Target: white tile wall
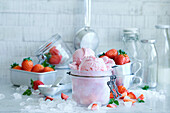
x,y
26,24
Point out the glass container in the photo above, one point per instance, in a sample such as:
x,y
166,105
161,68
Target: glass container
x,y
150,77
133,48
54,51
164,57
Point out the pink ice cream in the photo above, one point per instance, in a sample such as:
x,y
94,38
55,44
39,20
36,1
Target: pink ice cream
x,y
92,64
82,53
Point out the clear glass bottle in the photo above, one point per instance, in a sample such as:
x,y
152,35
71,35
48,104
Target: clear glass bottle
x,y
151,64
164,57
132,46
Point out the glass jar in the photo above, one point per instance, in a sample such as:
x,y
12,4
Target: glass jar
x,y
92,86
54,51
164,57
133,48
151,64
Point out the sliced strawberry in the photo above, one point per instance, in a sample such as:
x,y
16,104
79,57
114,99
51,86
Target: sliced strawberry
x,y
50,98
111,106
122,89
124,94
111,94
64,96
94,107
131,95
141,97
129,100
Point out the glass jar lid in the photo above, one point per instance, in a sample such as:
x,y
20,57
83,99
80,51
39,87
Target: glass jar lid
x,y
148,41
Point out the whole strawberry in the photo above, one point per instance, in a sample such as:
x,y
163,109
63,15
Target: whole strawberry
x,y
122,58
112,53
36,83
27,64
48,67
16,66
38,68
55,59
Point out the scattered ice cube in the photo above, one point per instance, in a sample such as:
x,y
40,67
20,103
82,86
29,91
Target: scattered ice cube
x,y
162,97
23,88
2,96
53,109
36,92
128,104
18,89
17,96
51,104
127,97
28,108
29,99
41,99
22,103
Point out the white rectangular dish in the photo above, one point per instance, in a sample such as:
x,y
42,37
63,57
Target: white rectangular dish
x,y
20,77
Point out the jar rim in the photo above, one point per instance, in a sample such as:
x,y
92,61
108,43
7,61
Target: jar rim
x,y
48,44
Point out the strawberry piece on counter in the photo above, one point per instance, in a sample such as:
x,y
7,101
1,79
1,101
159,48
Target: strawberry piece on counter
x,y
112,53
36,83
38,68
125,93
141,97
111,106
27,64
54,51
55,59
64,96
131,95
122,89
94,107
129,100
50,98
16,66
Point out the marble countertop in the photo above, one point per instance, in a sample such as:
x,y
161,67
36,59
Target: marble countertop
x,y
36,103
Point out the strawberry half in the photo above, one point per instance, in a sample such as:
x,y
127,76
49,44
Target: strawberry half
x,y
50,98
111,106
129,100
64,96
94,107
131,95
141,97
122,89
124,94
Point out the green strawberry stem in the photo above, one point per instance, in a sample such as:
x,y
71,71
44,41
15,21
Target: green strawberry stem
x,y
14,64
102,54
29,59
45,64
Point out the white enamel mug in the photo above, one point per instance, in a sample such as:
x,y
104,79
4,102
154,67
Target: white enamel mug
x,y
126,69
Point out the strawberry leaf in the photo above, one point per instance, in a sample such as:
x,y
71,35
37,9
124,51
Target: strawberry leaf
x,y
29,59
145,87
52,66
113,101
140,101
48,55
32,83
102,54
27,92
45,64
14,64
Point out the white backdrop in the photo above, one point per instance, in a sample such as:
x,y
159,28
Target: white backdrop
x,y
26,24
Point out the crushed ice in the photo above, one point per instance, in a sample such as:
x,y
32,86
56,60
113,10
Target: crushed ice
x,y
2,96
17,96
